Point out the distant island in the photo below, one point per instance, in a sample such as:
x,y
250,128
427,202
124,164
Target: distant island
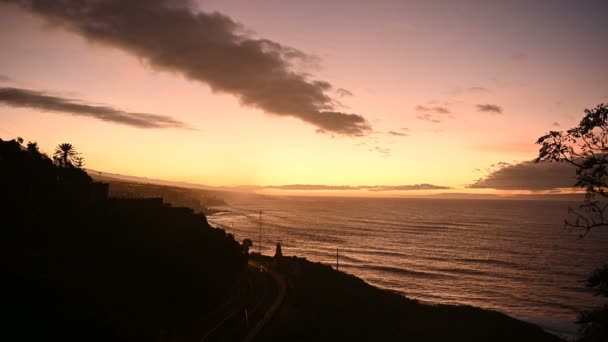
x,y
88,261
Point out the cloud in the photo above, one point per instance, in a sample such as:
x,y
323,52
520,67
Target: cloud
x,y
341,92
489,108
529,175
407,187
311,187
15,97
428,117
556,124
382,150
305,187
439,110
397,134
212,48
4,78
405,129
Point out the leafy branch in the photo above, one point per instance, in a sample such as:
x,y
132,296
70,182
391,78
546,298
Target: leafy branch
x,y
585,147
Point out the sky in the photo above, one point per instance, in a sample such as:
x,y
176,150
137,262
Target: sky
x,y
395,96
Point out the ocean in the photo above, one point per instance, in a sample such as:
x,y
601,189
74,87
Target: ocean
x,y
513,256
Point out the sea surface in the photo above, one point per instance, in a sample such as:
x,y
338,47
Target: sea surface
x,y
513,256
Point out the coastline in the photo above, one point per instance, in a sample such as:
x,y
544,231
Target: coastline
x,y
323,304
439,252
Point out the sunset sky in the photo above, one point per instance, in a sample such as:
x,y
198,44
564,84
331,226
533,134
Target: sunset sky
x,y
359,93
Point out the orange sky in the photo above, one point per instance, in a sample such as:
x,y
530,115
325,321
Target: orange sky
x,y
401,62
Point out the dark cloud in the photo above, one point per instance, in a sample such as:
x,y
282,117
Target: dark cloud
x,y
341,92
438,110
4,78
16,97
212,48
397,134
489,108
556,124
428,117
360,187
529,175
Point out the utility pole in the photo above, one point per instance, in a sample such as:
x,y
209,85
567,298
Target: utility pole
x,y
337,261
260,242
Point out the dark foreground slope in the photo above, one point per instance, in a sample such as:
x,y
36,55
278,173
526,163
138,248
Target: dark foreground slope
x,y
77,266
325,305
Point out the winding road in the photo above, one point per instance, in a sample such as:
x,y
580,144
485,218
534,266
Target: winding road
x,y
245,314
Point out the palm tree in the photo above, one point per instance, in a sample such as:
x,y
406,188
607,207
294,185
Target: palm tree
x,y
65,154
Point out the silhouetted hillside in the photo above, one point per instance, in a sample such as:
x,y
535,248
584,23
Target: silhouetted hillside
x,y
199,200
325,305
78,266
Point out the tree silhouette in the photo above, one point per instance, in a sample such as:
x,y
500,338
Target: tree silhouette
x,y
586,147
65,154
79,161
32,148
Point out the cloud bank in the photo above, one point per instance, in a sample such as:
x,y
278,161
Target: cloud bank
x,y
4,78
207,47
423,186
529,175
15,97
360,187
489,108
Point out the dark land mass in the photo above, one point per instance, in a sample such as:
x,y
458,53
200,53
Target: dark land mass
x,y
80,266
196,199
323,304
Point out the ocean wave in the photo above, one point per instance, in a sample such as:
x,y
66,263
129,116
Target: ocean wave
x,y
397,270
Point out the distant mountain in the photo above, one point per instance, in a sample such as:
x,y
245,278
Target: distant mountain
x,y
102,175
